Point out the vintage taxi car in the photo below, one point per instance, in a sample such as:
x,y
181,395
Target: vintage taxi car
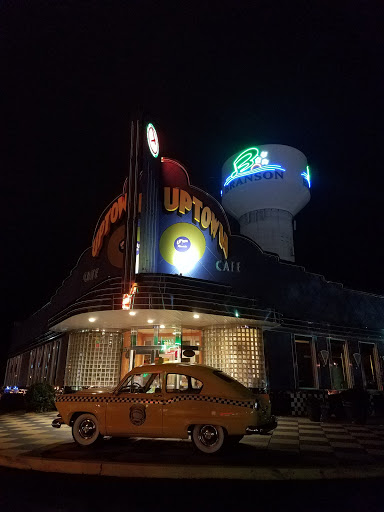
x,y
171,400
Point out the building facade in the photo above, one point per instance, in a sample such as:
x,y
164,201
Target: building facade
x,y
166,279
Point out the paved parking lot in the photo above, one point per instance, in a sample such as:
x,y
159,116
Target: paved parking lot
x,y
296,441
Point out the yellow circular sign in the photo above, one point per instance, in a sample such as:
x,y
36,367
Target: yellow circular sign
x,y
182,245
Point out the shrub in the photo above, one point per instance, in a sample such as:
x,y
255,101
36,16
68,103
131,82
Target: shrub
x,y
40,397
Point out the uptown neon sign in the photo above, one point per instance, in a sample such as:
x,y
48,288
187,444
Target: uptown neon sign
x,y
251,162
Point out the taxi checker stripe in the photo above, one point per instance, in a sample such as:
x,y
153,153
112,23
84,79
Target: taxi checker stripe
x,y
180,398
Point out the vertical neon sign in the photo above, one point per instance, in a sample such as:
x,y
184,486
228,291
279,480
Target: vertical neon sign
x,y
306,175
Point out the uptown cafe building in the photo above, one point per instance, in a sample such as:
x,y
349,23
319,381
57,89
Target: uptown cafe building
x,y
167,279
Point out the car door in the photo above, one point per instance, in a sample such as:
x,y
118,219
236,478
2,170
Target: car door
x,y
181,405
136,409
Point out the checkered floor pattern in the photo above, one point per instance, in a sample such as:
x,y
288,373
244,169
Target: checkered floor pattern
x,y
20,433
332,442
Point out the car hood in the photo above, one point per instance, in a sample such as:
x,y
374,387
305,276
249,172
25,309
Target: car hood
x,y
93,391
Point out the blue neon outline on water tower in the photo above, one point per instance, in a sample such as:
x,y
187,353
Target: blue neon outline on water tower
x,y
306,175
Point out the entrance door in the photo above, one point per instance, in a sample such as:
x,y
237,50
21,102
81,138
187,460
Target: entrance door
x,y
143,355
137,408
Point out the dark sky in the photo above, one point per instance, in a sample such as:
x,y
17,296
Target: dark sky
x,y
215,77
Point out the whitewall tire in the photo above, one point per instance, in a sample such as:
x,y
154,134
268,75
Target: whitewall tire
x,y
208,438
85,429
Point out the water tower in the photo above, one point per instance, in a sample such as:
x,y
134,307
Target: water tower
x,y
264,187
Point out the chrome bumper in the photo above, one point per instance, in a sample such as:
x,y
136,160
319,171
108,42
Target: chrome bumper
x,y
262,429
57,422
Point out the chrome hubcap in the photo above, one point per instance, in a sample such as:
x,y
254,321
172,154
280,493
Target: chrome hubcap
x,y
208,435
87,428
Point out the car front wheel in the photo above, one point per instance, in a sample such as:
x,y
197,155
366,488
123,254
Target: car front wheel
x,y
208,438
85,430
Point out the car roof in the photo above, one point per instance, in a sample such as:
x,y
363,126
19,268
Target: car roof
x,y
201,372
186,368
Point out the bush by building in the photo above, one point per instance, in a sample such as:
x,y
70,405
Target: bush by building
x,y
40,397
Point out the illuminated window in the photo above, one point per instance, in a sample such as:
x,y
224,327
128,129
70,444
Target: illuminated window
x,y
339,367
305,368
368,352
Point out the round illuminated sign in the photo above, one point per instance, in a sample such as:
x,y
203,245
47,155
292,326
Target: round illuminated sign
x,y
182,244
153,141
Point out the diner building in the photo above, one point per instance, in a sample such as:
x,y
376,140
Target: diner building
x,y
173,275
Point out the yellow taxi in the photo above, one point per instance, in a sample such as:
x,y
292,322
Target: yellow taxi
x,y
171,400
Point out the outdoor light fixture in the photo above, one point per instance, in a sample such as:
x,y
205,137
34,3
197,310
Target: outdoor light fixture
x,y
92,319
150,321
196,315
186,260
132,313
162,326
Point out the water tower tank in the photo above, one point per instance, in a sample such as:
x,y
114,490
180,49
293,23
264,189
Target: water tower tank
x,y
264,187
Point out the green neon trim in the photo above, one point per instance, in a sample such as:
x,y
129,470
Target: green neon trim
x,y
243,162
307,176
249,162
149,140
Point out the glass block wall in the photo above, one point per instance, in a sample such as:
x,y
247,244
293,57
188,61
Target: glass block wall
x,y
93,359
237,351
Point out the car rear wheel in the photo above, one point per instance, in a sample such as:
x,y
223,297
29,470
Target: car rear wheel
x,y
208,438
85,430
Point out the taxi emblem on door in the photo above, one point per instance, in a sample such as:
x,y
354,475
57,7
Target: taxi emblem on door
x,y
137,415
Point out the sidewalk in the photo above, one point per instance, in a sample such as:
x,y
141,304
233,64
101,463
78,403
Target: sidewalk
x,y
297,449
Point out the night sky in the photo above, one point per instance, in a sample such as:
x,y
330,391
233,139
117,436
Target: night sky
x,y
214,77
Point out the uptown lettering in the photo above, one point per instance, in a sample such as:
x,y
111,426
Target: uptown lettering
x,y
180,200
113,215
